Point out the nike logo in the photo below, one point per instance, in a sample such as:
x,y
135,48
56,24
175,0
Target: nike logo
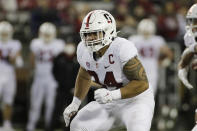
x,y
106,66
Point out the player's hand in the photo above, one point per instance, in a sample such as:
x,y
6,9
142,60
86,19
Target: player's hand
x,y
182,74
71,110
189,38
103,95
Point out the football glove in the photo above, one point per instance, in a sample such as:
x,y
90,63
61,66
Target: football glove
x,y
189,38
71,110
103,95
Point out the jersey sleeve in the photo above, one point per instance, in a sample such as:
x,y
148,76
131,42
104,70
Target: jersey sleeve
x,y
79,53
60,46
127,52
160,41
135,40
16,47
33,46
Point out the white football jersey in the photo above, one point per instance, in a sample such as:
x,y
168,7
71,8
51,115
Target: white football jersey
x,y
149,50
108,70
44,54
7,50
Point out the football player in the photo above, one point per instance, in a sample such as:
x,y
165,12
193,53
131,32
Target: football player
x,y
44,49
10,55
125,97
190,52
150,48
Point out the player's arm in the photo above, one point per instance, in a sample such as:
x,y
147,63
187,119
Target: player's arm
x,y
166,56
185,58
134,72
82,84
183,64
16,59
12,59
96,85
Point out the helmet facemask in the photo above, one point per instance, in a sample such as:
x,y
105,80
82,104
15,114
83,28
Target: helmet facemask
x,y
94,41
5,36
192,26
47,37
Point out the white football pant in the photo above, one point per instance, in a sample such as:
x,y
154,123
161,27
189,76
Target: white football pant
x,y
7,86
43,90
134,113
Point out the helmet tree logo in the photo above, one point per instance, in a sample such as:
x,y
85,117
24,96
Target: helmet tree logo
x,y
109,20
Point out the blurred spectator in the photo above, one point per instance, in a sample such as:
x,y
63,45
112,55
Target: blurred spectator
x,y
65,70
9,5
60,4
139,13
10,55
68,15
147,5
81,14
26,4
43,13
43,50
69,19
168,25
123,17
125,22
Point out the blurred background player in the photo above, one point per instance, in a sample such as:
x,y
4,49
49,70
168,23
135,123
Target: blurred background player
x,y
155,56
10,55
188,58
150,48
43,49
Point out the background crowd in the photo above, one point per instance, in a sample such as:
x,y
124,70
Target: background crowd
x,y
175,105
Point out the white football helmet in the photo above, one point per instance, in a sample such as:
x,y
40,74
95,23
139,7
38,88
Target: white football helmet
x,y
191,19
146,28
6,31
101,23
47,32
